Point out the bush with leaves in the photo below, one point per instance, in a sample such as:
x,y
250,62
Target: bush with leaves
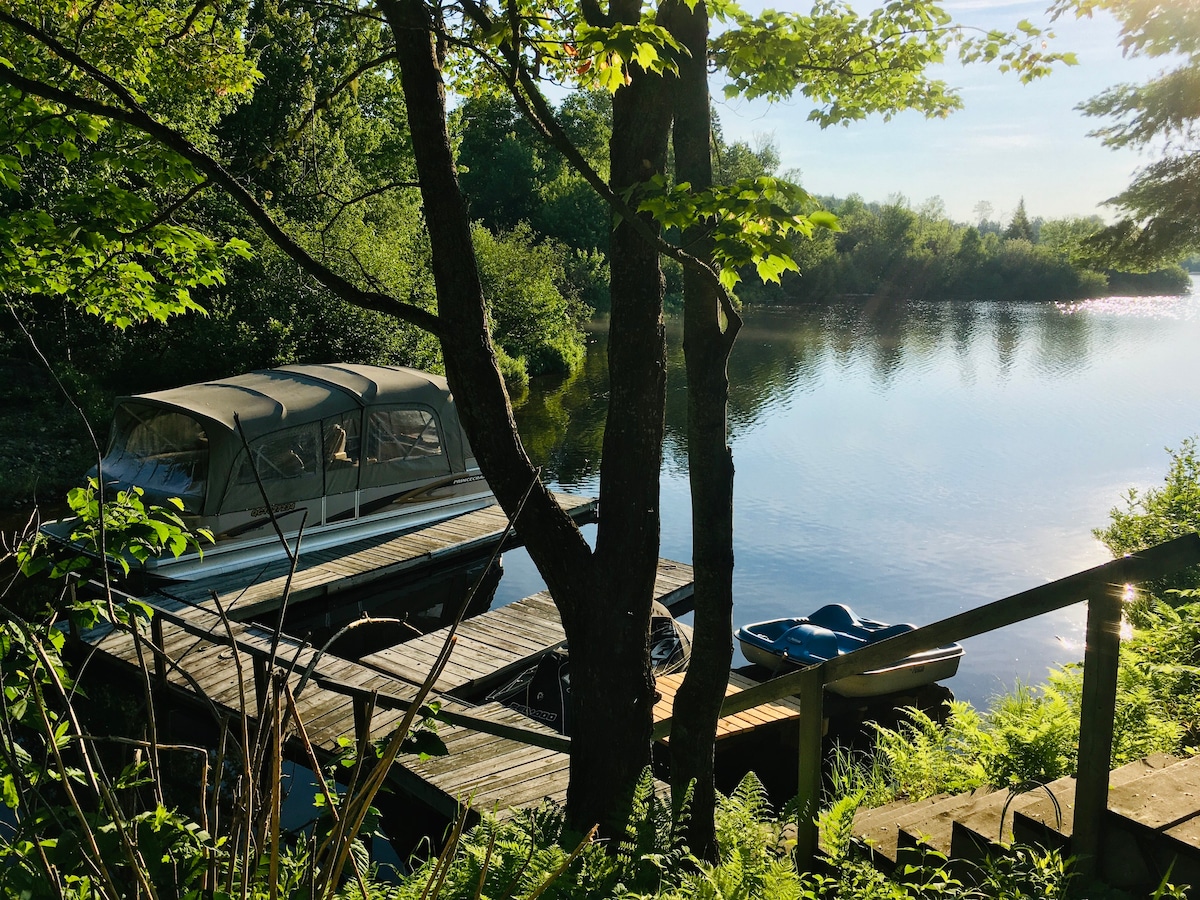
x,y
1156,515
924,758
536,318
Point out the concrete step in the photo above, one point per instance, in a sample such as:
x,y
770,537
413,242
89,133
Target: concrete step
x,y
875,829
880,831
1162,799
1040,823
1154,824
886,833
991,822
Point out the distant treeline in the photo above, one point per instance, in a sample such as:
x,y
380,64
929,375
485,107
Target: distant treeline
x,y
893,250
884,249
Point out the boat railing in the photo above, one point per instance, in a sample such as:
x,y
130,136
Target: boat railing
x,y
1103,588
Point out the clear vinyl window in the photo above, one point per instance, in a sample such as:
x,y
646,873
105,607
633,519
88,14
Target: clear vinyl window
x,y
291,453
164,452
402,435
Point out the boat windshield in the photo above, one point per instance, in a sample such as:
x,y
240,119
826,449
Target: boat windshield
x,y
164,452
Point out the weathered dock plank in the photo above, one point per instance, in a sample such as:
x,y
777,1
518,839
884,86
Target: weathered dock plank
x,y
508,638
736,723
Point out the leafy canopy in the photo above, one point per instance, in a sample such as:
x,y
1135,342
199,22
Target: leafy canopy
x,y
86,204
848,65
1162,205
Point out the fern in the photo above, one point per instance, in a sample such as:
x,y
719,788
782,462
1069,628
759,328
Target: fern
x,y
837,826
925,758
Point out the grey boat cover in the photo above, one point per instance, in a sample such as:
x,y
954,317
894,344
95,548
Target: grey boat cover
x,y
313,430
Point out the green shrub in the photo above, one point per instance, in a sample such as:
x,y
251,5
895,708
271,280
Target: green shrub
x,y
924,758
1156,515
534,316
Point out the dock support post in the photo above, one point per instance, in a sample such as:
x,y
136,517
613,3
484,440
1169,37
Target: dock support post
x,y
808,785
362,721
1096,726
156,636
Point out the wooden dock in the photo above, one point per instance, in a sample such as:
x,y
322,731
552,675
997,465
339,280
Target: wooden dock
x,y
213,659
334,570
498,644
205,672
734,724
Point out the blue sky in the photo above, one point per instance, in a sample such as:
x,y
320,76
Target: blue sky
x,y
1009,141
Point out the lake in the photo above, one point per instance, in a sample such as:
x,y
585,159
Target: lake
x,y
914,459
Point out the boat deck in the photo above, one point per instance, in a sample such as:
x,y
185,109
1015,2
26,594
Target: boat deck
x,y
324,573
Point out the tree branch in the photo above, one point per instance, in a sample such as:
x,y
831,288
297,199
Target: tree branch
x,y
192,15
326,101
537,111
344,204
171,139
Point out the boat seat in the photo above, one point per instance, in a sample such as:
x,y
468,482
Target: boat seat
x,y
835,617
812,640
335,445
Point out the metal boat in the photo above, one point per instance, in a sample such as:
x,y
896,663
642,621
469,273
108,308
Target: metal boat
x,y
835,630
349,451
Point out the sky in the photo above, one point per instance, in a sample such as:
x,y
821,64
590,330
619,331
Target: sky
x,y
1010,141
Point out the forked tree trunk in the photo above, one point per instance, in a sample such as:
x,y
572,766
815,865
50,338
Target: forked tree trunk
x,y
604,598
707,343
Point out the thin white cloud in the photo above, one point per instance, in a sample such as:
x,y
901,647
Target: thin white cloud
x,y
959,5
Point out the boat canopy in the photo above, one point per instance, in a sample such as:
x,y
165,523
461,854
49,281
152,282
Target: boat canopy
x,y
313,430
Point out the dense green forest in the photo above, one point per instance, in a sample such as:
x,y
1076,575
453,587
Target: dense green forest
x,y
896,251
888,249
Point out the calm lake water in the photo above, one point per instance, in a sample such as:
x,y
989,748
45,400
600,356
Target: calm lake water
x,y
915,459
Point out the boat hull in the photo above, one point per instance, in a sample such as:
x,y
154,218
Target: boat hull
x,y
259,545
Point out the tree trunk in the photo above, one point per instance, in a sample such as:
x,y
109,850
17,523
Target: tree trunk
x,y
706,346
604,598
559,550
612,693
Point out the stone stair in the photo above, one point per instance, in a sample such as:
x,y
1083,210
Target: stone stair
x,y
1153,810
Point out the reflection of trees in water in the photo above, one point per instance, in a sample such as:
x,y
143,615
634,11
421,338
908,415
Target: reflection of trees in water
x,y
561,420
959,322
782,354
1006,335
1064,342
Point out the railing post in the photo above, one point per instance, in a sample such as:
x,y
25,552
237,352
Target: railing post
x,y
1096,725
808,785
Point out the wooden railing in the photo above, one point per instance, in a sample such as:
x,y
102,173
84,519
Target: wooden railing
x,y
251,642
1102,588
